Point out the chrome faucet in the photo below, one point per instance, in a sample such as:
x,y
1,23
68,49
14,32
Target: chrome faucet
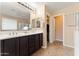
x,y
13,33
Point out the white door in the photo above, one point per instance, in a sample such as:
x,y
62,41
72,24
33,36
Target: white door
x,y
69,29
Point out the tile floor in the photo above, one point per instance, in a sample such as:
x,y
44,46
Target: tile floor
x,y
55,49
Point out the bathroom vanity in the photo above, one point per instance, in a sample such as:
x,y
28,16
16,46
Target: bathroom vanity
x,y
23,45
19,30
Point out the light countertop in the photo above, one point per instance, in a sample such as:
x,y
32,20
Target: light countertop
x,y
19,34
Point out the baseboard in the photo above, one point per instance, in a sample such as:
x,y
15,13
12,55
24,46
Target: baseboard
x,y
59,40
44,46
68,45
50,41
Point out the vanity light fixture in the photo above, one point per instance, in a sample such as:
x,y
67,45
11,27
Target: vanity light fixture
x,y
26,6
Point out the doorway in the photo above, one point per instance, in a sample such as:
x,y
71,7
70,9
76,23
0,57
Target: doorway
x,y
59,28
47,29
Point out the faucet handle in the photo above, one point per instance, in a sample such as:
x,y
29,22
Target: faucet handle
x,y
10,33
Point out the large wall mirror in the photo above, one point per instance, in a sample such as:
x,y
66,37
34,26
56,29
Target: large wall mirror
x,y
9,24
14,16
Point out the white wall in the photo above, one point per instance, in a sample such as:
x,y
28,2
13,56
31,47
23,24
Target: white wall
x,y
76,43
76,37
0,48
51,29
51,26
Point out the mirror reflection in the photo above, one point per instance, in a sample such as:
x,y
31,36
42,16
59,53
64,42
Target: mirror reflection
x,y
14,16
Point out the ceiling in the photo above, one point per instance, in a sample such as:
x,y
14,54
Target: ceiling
x,y
13,9
55,6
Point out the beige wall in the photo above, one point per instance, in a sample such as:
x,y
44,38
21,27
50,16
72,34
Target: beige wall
x,y
68,31
51,25
44,27
32,19
47,14
41,13
0,22
70,9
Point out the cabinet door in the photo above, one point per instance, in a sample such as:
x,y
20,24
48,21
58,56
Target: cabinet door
x,y
9,47
37,41
2,51
17,46
31,44
23,45
41,40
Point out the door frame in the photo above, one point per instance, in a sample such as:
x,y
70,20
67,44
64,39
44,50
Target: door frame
x,y
63,25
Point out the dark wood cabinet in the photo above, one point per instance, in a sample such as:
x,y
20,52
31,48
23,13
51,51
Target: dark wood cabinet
x,y
8,47
41,39
21,46
37,40
17,51
35,43
31,43
2,47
